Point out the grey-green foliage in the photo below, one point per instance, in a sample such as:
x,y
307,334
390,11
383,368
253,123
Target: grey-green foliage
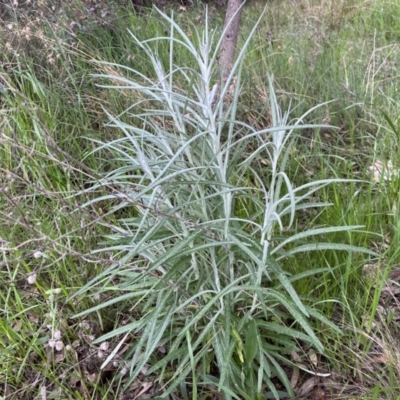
x,y
196,255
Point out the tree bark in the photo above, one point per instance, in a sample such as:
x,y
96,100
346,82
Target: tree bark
x,y
231,28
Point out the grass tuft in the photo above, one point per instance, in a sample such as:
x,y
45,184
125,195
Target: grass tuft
x,y
198,257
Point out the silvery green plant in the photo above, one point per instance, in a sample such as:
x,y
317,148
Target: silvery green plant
x,y
197,256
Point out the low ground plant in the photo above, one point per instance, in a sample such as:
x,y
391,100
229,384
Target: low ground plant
x,y
198,249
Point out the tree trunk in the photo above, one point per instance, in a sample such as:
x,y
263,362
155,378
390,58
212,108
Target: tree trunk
x,y
228,46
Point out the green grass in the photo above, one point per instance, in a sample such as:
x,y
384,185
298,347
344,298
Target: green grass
x,y
53,115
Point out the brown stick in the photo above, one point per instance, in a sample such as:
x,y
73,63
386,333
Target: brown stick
x,y
231,29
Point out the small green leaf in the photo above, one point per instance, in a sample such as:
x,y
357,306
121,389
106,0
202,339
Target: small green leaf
x,y
251,342
239,344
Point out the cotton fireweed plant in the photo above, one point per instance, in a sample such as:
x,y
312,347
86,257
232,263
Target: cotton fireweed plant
x,y
203,278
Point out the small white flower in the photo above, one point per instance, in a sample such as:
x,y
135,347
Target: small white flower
x,y
123,371
59,345
105,346
57,334
37,254
32,278
85,325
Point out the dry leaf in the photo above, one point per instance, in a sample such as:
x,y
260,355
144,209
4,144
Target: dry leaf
x,y
17,326
317,394
307,387
294,379
379,169
381,359
146,387
92,377
313,357
59,357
